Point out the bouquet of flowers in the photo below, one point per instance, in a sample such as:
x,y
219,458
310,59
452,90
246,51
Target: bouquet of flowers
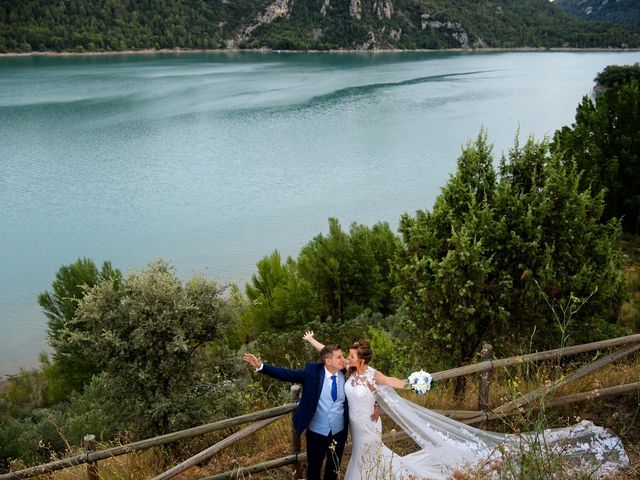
x,y
421,382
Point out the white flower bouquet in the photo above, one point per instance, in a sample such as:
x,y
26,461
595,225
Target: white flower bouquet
x,y
421,382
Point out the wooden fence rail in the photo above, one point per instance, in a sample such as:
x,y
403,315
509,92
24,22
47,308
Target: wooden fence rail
x,y
267,416
148,443
209,452
535,357
468,417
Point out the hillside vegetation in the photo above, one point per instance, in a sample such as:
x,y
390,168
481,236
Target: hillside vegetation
x,y
113,25
620,12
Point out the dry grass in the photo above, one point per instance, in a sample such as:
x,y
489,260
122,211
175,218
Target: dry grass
x,y
620,413
629,315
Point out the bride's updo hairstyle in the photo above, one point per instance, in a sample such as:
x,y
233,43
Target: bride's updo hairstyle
x,y
364,350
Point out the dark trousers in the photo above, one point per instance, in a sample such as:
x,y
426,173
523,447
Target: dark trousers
x,y
319,447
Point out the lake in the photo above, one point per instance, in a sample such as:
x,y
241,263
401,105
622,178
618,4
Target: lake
x,y
213,160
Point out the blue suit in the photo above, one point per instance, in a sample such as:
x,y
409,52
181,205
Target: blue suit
x,y
312,378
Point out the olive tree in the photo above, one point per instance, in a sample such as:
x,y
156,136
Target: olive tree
x,y
149,335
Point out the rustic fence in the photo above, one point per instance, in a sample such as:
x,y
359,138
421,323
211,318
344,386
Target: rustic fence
x,y
628,345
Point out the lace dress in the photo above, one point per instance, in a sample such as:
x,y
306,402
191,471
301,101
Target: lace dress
x,y
370,458
447,445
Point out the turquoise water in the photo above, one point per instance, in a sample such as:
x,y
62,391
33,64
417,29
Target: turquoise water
x,y
212,161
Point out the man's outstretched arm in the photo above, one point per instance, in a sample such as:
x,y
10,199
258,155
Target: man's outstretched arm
x,y
273,371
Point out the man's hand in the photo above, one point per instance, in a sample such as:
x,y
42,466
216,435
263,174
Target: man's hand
x,y
376,413
252,360
308,336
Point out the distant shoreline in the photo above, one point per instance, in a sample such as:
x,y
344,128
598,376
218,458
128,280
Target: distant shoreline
x,y
151,51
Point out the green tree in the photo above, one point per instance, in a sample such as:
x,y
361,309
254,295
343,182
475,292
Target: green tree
x,y
350,272
617,74
336,276
604,141
71,368
448,282
148,335
279,297
469,269
558,248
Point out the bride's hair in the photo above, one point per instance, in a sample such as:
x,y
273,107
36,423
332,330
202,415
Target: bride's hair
x,y
364,350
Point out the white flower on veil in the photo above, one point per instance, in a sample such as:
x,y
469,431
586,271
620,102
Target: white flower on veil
x,y
420,381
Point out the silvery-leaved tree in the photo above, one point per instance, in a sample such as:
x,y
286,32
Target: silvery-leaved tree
x,y
148,334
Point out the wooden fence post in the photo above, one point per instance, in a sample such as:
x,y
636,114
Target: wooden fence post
x,y
295,438
89,442
483,389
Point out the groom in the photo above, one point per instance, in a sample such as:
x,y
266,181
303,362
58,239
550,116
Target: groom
x,y
322,410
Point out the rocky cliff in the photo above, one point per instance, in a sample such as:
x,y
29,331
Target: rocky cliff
x,y
408,24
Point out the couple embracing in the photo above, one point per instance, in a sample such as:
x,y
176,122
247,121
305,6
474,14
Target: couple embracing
x,y
332,402
336,399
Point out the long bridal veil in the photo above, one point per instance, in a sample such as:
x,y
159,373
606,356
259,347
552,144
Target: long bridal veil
x,y
447,445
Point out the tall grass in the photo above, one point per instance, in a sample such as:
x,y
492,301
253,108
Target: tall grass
x,y
620,413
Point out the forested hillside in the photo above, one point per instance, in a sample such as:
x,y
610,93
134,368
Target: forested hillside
x,y
620,12
112,25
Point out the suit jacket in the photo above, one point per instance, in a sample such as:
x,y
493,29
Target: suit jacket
x,y
311,378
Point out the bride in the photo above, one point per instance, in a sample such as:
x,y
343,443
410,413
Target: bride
x,y
446,445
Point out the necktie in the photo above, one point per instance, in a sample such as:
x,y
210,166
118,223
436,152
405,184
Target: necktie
x,y
334,388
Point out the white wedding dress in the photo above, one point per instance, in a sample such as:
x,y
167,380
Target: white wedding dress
x,y
447,445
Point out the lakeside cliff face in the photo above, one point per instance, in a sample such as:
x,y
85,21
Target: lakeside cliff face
x,y
619,12
75,25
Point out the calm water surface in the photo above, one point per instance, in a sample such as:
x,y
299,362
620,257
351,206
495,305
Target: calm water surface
x,y
212,161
